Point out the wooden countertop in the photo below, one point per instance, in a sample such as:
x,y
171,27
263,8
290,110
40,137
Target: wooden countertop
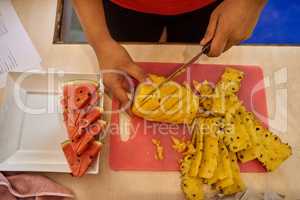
x,y
38,18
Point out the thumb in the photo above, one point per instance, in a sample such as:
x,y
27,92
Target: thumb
x,y
136,72
210,30
120,93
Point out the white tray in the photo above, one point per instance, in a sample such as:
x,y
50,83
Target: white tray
x,y
30,138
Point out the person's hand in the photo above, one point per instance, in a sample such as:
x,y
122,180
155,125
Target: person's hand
x,y
116,65
230,23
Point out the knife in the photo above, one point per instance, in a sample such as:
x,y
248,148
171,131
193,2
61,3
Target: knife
x,y
205,49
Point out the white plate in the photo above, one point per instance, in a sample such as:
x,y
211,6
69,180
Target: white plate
x,y
31,123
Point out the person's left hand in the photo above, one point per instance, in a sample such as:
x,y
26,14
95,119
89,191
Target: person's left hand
x,y
230,23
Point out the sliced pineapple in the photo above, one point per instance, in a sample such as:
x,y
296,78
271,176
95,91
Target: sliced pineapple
x,y
238,185
172,102
192,188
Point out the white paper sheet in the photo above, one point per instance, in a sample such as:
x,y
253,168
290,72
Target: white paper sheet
x,y
17,52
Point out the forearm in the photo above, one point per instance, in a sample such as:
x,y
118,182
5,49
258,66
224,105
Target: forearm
x,y
92,18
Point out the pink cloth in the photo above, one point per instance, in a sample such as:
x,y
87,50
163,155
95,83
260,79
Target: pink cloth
x,y
31,187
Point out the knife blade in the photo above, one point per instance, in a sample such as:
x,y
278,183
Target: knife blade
x,y
205,49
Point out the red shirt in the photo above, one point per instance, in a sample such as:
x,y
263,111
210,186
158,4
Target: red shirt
x,y
163,7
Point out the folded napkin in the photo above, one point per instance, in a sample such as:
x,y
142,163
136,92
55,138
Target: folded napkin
x,y
31,187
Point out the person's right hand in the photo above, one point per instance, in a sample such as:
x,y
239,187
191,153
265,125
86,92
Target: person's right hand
x,y
116,65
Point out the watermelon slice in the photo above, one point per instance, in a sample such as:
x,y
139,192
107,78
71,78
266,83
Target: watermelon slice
x,y
80,88
80,164
88,135
96,127
78,94
93,115
81,144
81,117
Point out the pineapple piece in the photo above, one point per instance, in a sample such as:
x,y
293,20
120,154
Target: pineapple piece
x,y
185,165
206,104
197,158
142,107
156,79
267,147
272,151
192,188
223,170
178,145
219,102
232,104
204,88
178,110
159,150
249,153
225,175
190,150
210,155
229,85
169,95
238,185
230,81
236,135
171,103
217,172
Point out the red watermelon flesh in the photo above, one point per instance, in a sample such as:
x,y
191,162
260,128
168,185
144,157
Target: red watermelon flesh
x,y
78,95
82,143
80,164
87,136
93,115
96,127
79,88
89,156
78,102
72,131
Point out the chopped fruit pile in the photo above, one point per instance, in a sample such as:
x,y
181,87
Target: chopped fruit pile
x,y
172,102
159,155
223,133
82,118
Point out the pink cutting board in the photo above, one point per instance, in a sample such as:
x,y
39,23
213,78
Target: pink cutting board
x,y
138,152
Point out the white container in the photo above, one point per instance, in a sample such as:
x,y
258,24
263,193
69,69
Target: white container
x,y
31,122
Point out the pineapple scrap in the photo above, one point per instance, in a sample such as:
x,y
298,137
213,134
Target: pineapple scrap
x,y
178,145
206,91
190,149
204,88
159,150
